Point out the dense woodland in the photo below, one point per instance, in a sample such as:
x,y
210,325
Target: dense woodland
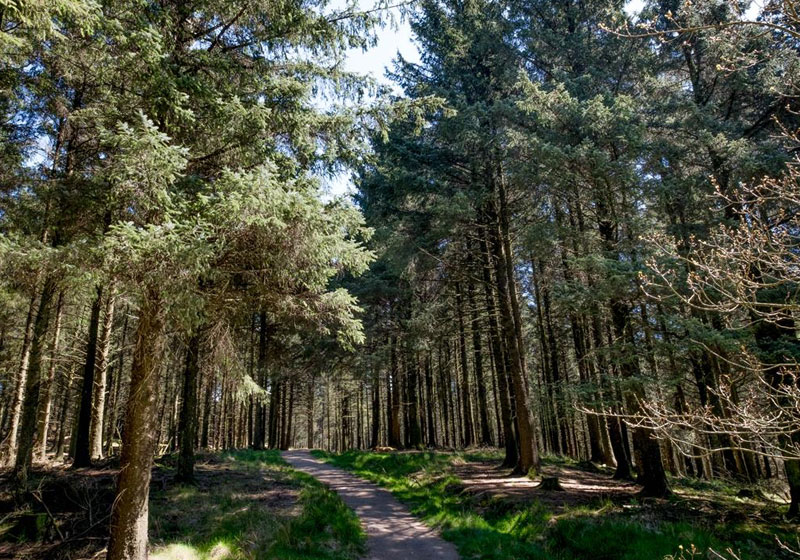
x,y
575,233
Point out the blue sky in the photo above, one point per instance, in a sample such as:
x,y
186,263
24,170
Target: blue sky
x,y
392,40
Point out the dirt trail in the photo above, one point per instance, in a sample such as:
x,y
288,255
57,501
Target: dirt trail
x,y
392,532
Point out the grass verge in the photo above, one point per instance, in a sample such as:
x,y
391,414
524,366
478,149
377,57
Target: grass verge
x,y
495,528
247,505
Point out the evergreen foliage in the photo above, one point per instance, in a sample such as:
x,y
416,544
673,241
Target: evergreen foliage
x,y
575,233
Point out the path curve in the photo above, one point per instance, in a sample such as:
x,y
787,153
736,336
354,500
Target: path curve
x,y
392,532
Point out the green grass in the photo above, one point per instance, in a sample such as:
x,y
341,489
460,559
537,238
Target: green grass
x,y
248,505
496,529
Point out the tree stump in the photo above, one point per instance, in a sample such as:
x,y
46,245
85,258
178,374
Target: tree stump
x,y
550,483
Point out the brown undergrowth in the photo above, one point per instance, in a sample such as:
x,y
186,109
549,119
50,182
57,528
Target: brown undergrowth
x,y
243,505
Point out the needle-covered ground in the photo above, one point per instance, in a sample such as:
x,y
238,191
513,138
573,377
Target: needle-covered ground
x,y
490,515
245,505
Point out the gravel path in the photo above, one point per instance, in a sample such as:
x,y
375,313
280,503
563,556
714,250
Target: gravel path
x,y
392,532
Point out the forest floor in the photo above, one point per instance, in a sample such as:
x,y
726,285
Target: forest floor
x,y
245,504
249,504
489,514
581,486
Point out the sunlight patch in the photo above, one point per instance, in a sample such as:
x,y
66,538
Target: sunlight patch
x,y
220,551
177,552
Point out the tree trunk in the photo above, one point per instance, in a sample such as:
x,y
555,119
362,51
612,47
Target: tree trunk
x,y
651,469
548,407
99,398
273,431
429,405
46,404
310,415
600,446
286,439
61,436
376,412
777,343
187,424
405,379
19,392
415,434
33,382
113,404
466,405
528,453
359,416
207,403
394,430
260,424
477,360
129,513
82,457
498,354
560,418
443,399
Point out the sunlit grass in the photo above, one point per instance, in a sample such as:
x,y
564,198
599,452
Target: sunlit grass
x,y
485,527
255,506
220,551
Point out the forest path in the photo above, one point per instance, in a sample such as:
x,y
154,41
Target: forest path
x,y
392,532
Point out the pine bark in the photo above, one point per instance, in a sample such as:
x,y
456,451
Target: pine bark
x,y
376,413
396,410
429,405
466,405
528,453
128,528
187,423
114,399
499,356
310,416
83,457
10,451
66,403
46,399
477,360
651,470
275,397
414,432
774,339
260,422
443,399
205,434
33,383
287,438
101,376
